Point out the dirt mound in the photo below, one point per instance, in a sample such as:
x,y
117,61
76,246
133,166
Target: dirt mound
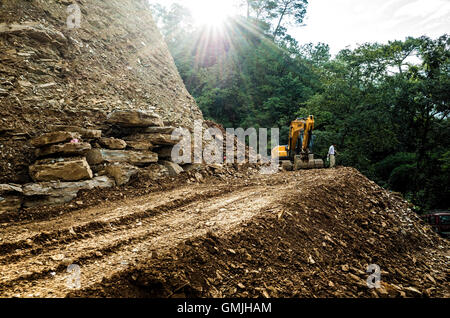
x,y
53,75
316,240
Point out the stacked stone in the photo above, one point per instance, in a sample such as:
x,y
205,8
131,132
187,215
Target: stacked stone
x,y
62,157
59,173
146,131
161,138
163,143
141,133
61,170
70,159
10,198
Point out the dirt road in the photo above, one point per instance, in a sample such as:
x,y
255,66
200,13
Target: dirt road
x,y
106,239
112,238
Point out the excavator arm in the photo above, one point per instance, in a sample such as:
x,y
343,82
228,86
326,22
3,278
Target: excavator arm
x,y
300,127
298,149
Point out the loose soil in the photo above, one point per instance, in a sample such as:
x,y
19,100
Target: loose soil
x,y
294,234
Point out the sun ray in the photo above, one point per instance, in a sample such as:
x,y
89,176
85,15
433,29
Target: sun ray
x,y
212,13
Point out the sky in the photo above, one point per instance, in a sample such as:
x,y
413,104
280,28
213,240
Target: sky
x,y
342,23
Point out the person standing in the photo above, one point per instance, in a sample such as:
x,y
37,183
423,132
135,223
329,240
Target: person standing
x,y
332,155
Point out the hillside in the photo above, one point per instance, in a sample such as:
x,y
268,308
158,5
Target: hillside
x,y
52,75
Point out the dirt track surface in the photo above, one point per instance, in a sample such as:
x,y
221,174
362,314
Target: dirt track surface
x,y
301,227
107,238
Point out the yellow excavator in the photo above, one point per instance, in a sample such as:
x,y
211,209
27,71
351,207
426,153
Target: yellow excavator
x,y
298,153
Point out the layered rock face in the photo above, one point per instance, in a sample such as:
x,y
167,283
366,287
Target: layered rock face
x,y
72,159
52,75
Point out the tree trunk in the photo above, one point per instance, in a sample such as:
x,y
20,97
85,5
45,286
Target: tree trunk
x,y
279,21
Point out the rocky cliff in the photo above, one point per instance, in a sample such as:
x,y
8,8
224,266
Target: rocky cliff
x,y
51,74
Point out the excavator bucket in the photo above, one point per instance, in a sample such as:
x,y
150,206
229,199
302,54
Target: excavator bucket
x,y
318,163
310,163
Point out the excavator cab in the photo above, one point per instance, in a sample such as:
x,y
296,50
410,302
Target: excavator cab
x,y
298,152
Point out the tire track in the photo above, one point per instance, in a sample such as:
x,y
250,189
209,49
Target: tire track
x,y
104,248
68,235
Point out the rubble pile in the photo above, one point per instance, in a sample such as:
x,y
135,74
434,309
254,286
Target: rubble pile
x,y
98,100
237,144
319,240
146,180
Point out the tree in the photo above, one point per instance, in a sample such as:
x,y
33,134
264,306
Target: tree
x,y
284,9
381,105
261,9
276,13
175,22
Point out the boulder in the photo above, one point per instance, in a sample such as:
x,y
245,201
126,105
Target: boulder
x,y
98,156
54,138
64,169
160,130
113,143
84,132
49,193
55,188
140,145
155,139
174,168
67,149
10,203
10,188
121,172
134,118
156,172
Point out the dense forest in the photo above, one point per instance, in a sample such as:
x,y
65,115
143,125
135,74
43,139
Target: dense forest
x,y
385,106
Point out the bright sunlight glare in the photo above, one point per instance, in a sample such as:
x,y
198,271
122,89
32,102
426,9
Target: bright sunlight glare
x,y
209,12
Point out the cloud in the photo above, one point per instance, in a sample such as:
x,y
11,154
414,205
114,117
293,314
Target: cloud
x,y
348,22
419,9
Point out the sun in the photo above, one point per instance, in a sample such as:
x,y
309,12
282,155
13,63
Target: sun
x,y
211,13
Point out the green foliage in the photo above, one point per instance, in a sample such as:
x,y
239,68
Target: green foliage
x,y
445,161
385,106
402,178
389,116
385,167
277,12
